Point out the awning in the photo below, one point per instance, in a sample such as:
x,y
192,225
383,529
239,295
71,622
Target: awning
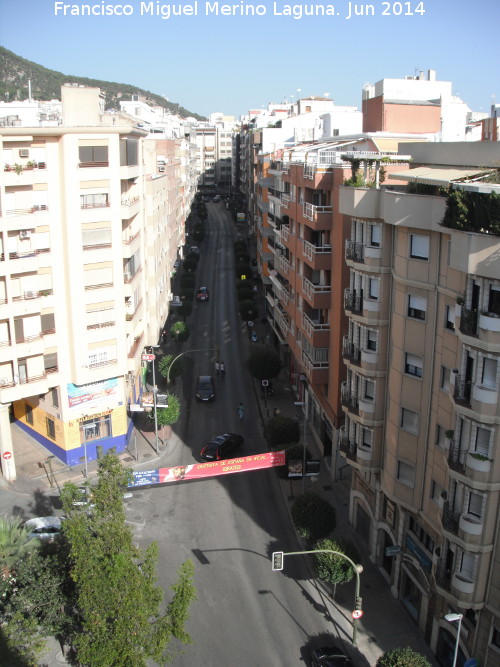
x,y
391,144
437,176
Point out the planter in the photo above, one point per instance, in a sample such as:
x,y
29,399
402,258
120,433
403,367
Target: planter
x,y
364,454
462,585
470,526
479,464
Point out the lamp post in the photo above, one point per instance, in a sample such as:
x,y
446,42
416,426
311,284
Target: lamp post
x,y
453,618
153,347
304,404
279,556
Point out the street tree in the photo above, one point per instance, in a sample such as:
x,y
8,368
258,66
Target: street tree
x,y
263,363
403,657
332,568
117,598
170,414
15,542
313,516
179,331
170,367
281,430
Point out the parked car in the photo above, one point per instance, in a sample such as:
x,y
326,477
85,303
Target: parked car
x,y
194,249
222,447
202,294
44,527
330,656
205,388
216,199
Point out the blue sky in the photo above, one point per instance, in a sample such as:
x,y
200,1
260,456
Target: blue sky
x,y
209,62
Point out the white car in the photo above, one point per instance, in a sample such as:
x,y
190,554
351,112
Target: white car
x,y
44,527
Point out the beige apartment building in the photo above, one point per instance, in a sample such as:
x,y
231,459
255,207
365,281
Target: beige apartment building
x,y
421,394
92,225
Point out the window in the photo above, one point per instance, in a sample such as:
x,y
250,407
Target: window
x,y
440,436
482,441
375,235
475,504
449,322
94,154
436,492
55,397
405,473
444,378
371,340
494,300
374,288
51,428
422,536
409,420
413,365
467,563
369,390
95,429
495,638
367,438
489,374
29,413
98,200
417,307
419,246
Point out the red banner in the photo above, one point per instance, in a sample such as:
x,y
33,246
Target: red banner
x,y
203,470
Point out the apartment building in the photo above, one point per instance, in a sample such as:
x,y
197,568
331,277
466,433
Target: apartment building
x,y
87,215
421,403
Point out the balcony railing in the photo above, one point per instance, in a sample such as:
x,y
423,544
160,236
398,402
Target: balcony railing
x,y
311,211
462,390
104,163
349,399
353,301
347,446
310,326
310,250
456,457
310,289
351,351
354,251
468,322
450,519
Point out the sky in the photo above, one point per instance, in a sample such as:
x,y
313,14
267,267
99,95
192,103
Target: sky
x,y
216,56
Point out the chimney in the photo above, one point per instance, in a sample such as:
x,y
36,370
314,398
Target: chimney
x,y
431,74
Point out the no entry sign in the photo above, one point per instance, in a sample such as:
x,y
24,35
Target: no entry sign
x,y
7,455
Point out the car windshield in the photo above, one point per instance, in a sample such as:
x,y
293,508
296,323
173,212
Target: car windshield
x,y
205,383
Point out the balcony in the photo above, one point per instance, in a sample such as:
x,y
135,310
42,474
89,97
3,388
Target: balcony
x,y
319,296
346,446
360,202
354,251
319,216
350,351
450,519
283,265
349,399
468,322
316,369
456,458
353,301
130,206
319,257
462,391
318,333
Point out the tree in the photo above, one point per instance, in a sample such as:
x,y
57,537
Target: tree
x,y
167,362
179,331
281,430
402,657
117,599
15,542
169,415
313,516
332,568
263,363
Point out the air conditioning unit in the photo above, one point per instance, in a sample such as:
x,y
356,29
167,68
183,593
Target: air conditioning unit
x,y
162,168
40,207
24,152
31,294
127,275
24,234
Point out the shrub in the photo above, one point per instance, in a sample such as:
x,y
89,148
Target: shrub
x,y
280,430
185,309
313,516
402,657
189,265
193,257
245,293
333,568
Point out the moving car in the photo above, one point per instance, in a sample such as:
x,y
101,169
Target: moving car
x,y
222,447
202,294
44,527
330,656
205,388
216,199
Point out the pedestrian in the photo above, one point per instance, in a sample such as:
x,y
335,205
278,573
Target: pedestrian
x,y
276,412
240,411
163,336
222,369
217,367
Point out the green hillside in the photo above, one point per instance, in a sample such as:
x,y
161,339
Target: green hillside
x,y
46,85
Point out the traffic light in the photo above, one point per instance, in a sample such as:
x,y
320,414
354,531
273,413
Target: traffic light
x,y
277,560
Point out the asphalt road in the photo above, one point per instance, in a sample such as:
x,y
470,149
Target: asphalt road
x,y
245,613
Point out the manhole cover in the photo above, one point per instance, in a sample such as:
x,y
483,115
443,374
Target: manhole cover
x,y
147,456
128,458
155,516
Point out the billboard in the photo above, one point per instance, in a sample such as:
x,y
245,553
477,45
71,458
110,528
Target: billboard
x,y
90,395
211,469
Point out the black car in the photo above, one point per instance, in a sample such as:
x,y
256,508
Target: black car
x,y
205,388
222,447
330,656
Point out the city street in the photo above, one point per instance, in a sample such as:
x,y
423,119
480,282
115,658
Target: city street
x,y
245,614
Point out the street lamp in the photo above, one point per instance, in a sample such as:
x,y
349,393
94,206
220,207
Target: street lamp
x,y
303,403
153,347
277,564
453,618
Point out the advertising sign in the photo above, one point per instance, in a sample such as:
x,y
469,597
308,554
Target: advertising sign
x,y
89,395
204,470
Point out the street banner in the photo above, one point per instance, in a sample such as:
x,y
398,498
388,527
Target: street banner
x,y
204,470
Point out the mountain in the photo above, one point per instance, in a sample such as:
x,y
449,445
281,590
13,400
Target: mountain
x,y
46,85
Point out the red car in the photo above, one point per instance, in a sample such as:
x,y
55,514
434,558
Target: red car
x,y
202,294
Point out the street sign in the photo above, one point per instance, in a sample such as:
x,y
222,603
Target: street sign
x,y
148,357
277,560
393,550
135,407
7,455
265,383
357,613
